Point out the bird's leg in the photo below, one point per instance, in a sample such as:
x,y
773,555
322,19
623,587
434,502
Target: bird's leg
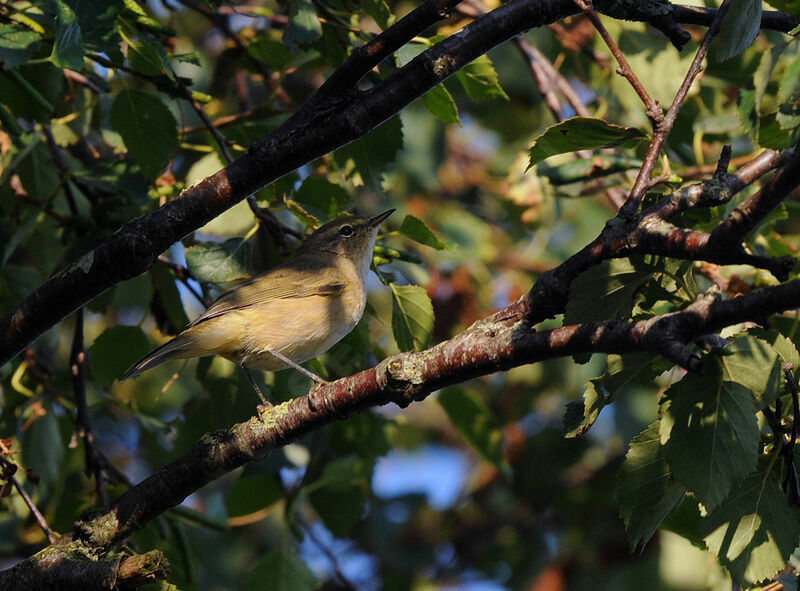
x,y
298,367
265,403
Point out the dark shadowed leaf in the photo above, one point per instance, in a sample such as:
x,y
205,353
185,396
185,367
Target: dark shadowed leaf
x,y
739,29
253,492
605,291
477,425
373,153
709,433
147,127
68,47
646,491
281,570
114,351
17,44
43,447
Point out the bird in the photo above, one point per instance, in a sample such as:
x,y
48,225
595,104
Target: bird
x,y
288,314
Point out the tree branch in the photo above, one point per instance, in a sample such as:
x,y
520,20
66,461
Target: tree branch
x,y
337,114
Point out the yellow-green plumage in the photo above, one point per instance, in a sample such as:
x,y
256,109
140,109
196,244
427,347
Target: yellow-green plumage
x,y
300,308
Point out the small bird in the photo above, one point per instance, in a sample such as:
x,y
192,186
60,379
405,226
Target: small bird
x,y
289,314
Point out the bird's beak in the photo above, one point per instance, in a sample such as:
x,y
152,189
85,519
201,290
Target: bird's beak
x,y
378,219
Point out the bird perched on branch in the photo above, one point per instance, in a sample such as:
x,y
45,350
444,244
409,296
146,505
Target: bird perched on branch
x,y
290,314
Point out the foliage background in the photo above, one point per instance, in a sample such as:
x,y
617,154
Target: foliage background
x,y
474,488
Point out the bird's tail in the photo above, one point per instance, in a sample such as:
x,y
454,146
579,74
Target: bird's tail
x,y
170,350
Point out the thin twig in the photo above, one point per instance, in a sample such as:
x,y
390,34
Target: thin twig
x,y
9,468
329,554
653,110
663,130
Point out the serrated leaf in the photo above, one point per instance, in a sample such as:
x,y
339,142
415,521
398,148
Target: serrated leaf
x,y
583,133
754,531
114,351
441,103
147,127
604,292
17,44
281,570
68,48
373,153
477,425
709,433
218,262
417,230
646,491
739,29
412,317
479,79
752,363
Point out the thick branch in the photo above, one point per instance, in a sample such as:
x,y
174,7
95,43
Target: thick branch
x,y
497,343
337,114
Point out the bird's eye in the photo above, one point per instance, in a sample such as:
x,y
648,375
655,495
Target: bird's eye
x,y
346,230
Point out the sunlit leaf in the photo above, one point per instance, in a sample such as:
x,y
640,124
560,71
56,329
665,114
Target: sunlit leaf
x,y
605,291
754,531
218,262
412,317
441,103
417,230
583,133
479,79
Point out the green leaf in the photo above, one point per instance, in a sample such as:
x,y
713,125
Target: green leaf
x,y
379,10
338,496
166,303
373,153
646,491
114,351
477,425
754,531
218,262
789,96
304,26
440,102
281,570
417,230
790,6
605,291
583,133
754,364
68,48
709,433
147,127
322,195
412,317
253,492
43,447
740,28
271,52
145,55
623,371
17,44
479,79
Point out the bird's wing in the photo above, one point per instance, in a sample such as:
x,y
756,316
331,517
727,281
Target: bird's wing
x,y
276,284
